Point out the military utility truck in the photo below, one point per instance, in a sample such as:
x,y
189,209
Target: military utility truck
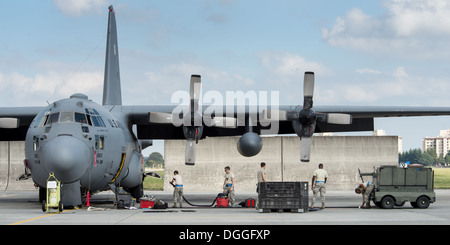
x,y
396,185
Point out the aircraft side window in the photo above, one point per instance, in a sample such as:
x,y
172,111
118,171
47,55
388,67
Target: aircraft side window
x,y
110,122
66,116
89,119
99,142
53,118
100,120
43,119
91,111
80,117
119,124
35,143
95,121
40,119
85,129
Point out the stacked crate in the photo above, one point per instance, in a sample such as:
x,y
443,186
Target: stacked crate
x,y
283,197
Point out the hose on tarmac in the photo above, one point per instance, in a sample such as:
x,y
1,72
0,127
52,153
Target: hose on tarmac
x,y
197,205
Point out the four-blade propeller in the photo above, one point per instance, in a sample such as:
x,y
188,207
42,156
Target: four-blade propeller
x,y
192,121
304,118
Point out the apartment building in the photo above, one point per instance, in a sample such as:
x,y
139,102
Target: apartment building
x,y
441,143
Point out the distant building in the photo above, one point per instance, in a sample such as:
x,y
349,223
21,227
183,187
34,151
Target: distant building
x,y
441,143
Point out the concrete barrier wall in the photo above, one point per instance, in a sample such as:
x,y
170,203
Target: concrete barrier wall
x,y
12,155
341,156
4,165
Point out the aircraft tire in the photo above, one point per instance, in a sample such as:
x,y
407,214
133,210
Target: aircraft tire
x,y
137,192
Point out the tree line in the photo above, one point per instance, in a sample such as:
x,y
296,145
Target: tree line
x,y
428,158
154,160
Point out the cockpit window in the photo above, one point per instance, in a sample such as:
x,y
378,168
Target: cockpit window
x,y
53,118
69,116
94,117
66,116
95,121
91,111
80,117
42,119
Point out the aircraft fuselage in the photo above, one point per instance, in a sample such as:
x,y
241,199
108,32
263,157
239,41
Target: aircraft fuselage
x,y
81,141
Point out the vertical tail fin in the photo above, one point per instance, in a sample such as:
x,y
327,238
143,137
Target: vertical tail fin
x,y
112,94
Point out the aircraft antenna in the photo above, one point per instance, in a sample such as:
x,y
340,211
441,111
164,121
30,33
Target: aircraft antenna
x,y
64,82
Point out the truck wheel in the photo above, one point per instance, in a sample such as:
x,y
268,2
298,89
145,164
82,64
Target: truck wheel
x,y
387,202
422,202
60,206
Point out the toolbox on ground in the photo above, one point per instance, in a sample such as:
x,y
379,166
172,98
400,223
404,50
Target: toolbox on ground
x,y
147,202
249,203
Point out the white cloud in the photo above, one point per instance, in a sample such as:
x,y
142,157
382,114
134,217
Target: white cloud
x,y
412,17
400,86
411,28
171,78
288,65
79,7
21,90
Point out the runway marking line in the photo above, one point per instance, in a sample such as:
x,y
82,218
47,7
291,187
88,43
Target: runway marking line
x,y
40,217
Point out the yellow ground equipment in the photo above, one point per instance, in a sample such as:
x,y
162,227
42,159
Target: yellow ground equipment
x,y
53,199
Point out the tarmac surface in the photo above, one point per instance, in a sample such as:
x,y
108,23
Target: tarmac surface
x,y
23,208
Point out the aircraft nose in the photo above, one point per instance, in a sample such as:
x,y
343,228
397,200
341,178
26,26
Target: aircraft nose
x,y
67,157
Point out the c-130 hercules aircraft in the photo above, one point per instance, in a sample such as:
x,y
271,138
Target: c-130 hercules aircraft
x,y
92,147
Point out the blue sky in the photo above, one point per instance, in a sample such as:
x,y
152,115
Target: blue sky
x,y
391,52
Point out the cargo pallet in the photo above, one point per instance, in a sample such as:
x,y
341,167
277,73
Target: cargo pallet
x,y
283,197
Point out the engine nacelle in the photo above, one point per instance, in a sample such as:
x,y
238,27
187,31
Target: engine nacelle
x,y
191,132
250,144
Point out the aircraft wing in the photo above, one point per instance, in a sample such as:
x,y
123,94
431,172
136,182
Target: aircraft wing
x,y
14,122
362,116
195,122
362,119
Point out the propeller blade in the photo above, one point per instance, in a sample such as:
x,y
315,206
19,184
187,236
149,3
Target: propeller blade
x,y
194,93
338,118
274,115
308,89
195,89
160,117
190,151
224,122
305,149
